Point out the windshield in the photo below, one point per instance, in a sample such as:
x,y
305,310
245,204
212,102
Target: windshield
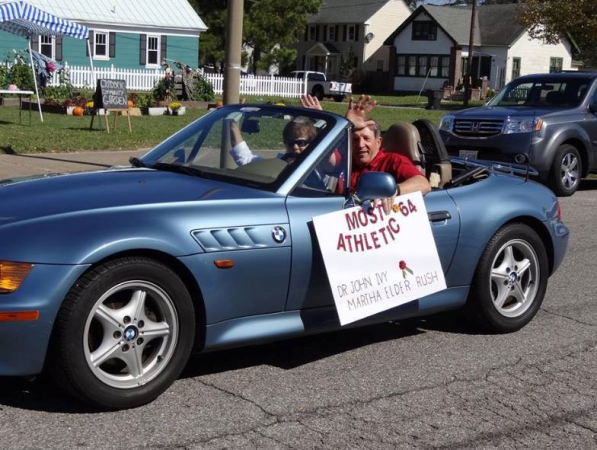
x,y
252,145
562,92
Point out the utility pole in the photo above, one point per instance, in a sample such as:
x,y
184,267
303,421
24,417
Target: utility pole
x,y
469,79
234,41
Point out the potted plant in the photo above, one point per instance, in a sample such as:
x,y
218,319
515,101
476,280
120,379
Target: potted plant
x,y
149,106
176,109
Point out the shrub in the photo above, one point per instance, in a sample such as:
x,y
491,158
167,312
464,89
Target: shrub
x,y
202,89
20,74
145,101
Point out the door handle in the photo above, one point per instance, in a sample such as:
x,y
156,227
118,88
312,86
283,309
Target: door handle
x,y
439,216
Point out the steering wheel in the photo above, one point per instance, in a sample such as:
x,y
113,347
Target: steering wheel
x,y
316,181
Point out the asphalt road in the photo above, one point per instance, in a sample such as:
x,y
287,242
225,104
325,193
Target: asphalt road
x,y
431,383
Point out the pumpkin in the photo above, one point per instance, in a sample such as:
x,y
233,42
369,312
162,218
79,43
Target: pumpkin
x,y
78,111
131,104
219,103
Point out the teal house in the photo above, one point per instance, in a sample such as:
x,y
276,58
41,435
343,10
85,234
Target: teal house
x,y
125,34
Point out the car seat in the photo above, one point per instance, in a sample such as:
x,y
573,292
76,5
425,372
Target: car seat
x,y
403,138
555,98
436,155
422,144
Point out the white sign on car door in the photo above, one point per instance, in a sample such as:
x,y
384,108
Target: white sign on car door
x,y
376,261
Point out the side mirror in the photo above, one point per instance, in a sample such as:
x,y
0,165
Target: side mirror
x,y
250,126
372,185
593,107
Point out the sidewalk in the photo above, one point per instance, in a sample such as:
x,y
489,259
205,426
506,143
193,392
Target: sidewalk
x,y
12,166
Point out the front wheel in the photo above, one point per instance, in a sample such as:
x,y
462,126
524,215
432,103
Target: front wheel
x,y
566,171
124,333
510,280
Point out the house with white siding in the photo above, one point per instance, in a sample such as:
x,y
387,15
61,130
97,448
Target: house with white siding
x,y
431,48
342,26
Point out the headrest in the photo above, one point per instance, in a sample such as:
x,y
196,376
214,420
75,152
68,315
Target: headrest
x,y
555,98
403,138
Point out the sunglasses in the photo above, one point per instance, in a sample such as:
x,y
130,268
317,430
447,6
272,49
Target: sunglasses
x,y
299,142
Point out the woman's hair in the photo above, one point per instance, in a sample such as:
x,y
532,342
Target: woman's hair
x,y
298,126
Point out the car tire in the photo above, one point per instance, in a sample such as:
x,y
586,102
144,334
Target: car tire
x,y
318,92
510,281
123,334
566,171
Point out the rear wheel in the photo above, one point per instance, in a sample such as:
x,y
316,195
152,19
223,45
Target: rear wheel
x,y
566,171
318,92
510,280
123,334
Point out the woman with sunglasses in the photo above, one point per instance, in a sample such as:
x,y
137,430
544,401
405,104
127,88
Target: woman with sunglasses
x,y
297,135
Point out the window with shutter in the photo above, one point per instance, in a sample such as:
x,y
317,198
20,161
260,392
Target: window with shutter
x,y
153,51
101,45
332,33
46,46
351,32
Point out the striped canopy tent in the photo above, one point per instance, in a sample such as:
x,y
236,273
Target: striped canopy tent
x,y
25,20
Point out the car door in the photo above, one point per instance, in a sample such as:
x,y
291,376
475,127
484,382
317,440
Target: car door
x,y
309,286
590,125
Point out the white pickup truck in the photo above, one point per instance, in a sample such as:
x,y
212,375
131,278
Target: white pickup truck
x,y
320,87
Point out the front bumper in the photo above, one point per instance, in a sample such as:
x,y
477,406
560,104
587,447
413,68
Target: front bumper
x,y
502,147
23,345
560,235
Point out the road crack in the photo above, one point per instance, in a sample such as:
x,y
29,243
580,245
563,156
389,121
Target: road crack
x,y
563,316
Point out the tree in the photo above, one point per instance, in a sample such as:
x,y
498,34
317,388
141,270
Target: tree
x,y
212,45
273,26
553,19
270,29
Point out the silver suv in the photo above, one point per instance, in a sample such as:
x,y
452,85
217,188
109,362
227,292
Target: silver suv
x,y
548,120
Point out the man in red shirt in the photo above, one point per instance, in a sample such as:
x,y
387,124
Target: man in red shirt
x,y
368,156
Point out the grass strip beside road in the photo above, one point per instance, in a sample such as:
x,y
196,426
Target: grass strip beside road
x,y
63,133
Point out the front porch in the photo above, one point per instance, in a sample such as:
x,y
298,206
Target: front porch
x,y
323,57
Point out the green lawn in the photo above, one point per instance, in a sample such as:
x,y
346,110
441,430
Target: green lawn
x,y
62,133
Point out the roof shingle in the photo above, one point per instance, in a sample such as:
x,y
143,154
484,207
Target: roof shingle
x,y
495,24
347,11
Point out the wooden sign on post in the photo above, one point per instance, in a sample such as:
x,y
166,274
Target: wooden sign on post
x,y
110,95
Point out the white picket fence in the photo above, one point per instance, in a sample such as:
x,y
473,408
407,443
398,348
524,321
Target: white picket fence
x,y
145,80
136,80
264,85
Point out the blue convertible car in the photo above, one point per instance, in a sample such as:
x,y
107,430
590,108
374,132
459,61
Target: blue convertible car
x,y
111,279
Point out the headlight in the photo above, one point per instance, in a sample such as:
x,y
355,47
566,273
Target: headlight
x,y
12,275
523,125
446,123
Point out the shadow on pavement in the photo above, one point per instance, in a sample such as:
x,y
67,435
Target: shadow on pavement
x,y
72,161
587,185
41,394
293,353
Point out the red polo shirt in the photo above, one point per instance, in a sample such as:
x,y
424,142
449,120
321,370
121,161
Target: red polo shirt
x,y
400,167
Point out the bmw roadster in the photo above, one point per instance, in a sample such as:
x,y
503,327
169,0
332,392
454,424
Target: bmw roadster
x,y
111,279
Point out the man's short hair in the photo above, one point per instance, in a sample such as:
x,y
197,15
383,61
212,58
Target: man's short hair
x,y
376,127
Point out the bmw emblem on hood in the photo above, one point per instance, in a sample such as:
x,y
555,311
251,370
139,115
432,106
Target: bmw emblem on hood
x,y
279,234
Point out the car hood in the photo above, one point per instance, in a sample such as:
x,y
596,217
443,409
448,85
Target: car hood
x,y
500,112
50,195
